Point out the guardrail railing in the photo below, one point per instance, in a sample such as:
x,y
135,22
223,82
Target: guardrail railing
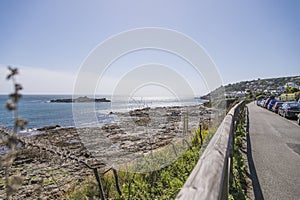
x,y
210,177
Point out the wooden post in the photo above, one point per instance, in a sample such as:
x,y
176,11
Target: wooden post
x,y
101,192
117,181
200,134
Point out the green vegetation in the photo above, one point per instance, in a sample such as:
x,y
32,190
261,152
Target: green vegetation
x,y
290,90
239,186
88,190
221,104
290,97
290,94
260,96
164,183
261,84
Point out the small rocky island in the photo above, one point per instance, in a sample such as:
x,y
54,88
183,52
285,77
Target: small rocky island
x,y
79,100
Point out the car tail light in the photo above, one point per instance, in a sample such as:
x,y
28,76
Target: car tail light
x,y
288,108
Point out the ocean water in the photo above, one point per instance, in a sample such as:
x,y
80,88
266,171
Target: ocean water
x,y
40,112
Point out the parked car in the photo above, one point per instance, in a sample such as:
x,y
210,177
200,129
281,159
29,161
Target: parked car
x,y
289,109
271,104
262,102
298,120
276,106
258,101
267,101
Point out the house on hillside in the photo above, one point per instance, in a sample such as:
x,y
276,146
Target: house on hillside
x,y
280,89
241,94
291,84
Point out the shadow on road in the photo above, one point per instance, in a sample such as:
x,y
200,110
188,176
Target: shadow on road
x,y
253,175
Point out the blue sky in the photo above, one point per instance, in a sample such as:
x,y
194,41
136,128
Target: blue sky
x,y
49,40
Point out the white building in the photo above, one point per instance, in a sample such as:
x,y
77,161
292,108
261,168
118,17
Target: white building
x,y
291,84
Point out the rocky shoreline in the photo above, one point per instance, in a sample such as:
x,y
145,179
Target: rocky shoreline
x,y
47,176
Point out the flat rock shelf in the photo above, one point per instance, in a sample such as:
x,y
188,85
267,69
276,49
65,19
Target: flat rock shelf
x,y
136,133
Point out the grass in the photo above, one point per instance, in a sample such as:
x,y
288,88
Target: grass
x,y
238,188
164,183
87,190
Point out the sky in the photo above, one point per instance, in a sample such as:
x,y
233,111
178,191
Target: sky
x,y
50,40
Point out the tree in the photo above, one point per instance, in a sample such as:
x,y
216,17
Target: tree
x,y
297,95
289,90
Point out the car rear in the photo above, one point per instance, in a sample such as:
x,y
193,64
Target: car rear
x,y
292,110
276,106
271,104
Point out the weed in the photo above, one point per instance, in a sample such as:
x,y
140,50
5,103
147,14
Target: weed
x,y
239,186
164,183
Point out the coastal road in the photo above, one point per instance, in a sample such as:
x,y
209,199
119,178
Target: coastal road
x,y
273,154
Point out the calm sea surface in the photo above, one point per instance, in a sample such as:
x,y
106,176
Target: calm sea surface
x,y
40,112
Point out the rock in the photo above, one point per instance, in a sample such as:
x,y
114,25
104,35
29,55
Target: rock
x,y
45,128
34,181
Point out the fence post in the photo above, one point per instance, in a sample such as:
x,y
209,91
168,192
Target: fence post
x,y
200,134
117,181
101,193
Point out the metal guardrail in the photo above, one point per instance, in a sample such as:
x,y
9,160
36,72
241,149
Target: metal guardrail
x,y
211,176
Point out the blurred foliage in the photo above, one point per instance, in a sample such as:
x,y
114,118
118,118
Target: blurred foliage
x,y
10,138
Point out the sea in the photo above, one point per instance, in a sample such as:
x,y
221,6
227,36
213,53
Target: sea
x,y
40,112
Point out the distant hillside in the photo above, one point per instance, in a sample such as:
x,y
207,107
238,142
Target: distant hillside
x,y
262,84
274,86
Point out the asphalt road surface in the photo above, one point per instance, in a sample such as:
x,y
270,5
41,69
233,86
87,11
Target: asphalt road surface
x,y
273,155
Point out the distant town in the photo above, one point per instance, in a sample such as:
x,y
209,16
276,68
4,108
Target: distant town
x,y
284,88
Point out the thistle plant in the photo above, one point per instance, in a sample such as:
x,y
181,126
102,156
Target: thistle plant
x,y
10,138
12,102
